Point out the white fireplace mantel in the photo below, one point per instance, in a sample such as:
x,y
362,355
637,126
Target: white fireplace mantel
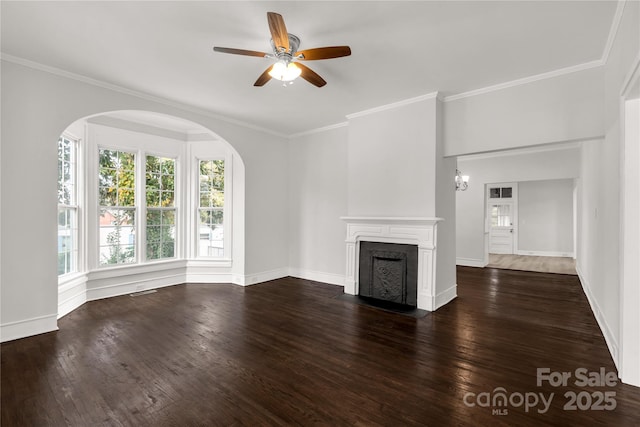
x,y
420,231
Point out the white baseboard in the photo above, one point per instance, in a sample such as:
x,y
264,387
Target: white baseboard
x,y
609,338
318,276
72,294
265,276
471,262
28,327
546,253
209,278
445,297
117,289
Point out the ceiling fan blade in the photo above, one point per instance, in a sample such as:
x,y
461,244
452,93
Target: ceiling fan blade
x,y
264,77
278,30
324,53
311,76
239,51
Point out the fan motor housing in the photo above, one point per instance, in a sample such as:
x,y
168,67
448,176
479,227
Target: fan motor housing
x,y
294,43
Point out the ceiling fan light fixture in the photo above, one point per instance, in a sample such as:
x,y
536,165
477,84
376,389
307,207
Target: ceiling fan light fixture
x,y
284,71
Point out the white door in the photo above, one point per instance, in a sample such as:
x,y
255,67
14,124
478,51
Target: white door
x,y
501,228
501,217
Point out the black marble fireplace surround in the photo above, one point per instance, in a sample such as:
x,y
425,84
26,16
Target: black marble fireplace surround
x,y
389,272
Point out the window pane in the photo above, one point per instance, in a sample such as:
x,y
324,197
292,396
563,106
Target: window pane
x,y
108,159
126,197
494,193
168,217
167,199
501,216
127,161
168,182
116,179
154,217
211,233
160,234
117,236
153,197
506,192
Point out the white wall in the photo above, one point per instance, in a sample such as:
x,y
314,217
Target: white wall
x,y
559,109
37,107
598,260
318,198
446,287
385,162
396,168
391,161
630,295
545,217
529,165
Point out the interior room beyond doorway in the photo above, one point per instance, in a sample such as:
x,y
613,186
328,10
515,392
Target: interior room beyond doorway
x,y
543,264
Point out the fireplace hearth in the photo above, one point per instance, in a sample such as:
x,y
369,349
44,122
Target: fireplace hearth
x,y
389,272
420,232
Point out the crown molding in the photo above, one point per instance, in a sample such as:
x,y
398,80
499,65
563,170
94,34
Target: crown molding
x,y
554,146
551,74
120,89
319,130
525,80
613,31
632,76
433,95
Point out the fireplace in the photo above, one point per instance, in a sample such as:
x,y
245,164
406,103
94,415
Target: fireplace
x,y
389,272
420,233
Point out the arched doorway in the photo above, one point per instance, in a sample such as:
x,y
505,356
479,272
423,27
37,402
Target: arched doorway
x,y
145,200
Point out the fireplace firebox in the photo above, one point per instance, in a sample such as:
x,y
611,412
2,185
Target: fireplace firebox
x,y
389,272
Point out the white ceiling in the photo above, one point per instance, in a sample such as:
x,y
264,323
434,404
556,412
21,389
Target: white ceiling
x,y
400,49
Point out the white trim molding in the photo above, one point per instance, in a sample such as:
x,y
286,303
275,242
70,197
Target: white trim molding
x,y
317,276
629,107
446,296
471,262
393,105
609,337
138,285
411,231
319,130
261,277
545,253
525,80
28,327
126,91
72,293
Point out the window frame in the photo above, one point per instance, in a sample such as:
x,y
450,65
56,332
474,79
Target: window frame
x,y
226,212
177,191
78,173
135,208
141,152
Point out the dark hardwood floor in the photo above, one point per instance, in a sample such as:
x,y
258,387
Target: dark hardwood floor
x,y
288,352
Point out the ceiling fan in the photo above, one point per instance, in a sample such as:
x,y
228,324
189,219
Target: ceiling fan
x,y
285,51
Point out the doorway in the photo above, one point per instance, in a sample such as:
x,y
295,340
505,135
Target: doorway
x,y
502,206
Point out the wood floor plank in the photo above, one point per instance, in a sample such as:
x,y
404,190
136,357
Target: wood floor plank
x,y
289,352
541,264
